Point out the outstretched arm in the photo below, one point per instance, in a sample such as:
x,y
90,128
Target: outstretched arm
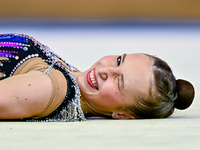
x,y
25,95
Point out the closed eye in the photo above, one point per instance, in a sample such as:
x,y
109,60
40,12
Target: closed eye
x,y
121,78
121,82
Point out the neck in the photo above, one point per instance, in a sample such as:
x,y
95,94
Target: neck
x,y
88,110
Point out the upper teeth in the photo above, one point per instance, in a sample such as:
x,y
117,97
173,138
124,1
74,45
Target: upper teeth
x,y
92,78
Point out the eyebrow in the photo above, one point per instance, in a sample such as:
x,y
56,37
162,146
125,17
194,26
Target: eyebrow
x,y
124,56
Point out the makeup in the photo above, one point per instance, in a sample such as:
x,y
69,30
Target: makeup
x,y
91,79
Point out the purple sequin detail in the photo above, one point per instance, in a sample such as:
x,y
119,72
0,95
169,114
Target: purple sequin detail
x,y
10,44
6,54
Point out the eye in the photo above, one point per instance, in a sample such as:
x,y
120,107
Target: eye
x,y
118,60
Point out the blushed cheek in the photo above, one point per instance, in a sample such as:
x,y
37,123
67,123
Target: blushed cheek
x,y
104,93
109,94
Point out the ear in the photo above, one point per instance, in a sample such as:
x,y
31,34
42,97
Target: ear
x,y
117,115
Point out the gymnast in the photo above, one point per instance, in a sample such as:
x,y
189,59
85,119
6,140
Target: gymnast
x,y
38,85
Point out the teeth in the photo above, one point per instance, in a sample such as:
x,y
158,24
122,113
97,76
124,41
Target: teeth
x,y
92,78
94,83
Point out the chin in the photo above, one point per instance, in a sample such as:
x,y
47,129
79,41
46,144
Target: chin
x,y
80,81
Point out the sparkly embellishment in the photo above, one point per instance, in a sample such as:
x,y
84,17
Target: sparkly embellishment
x,y
2,75
21,62
16,57
10,44
25,48
48,71
72,110
13,37
5,37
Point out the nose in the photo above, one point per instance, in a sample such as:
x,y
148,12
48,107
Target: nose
x,y
105,72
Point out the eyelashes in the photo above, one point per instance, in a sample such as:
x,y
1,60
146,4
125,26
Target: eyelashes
x,y
119,60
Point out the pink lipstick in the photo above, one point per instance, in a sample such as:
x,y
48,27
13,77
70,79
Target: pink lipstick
x,y
91,79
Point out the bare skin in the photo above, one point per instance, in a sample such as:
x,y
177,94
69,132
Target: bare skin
x,y
110,93
28,95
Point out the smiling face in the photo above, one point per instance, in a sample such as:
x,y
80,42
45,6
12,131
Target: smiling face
x,y
114,82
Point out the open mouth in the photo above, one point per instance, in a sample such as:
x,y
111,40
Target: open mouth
x,y
92,80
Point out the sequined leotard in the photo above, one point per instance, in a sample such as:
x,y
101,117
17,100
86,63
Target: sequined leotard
x,y
17,49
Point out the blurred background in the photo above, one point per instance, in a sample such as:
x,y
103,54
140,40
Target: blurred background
x,y
82,31
100,9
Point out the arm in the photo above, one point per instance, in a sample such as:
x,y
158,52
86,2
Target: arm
x,y
24,95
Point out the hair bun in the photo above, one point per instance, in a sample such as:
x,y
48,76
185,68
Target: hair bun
x,y
185,94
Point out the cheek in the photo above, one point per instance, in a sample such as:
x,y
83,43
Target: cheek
x,y
109,93
106,93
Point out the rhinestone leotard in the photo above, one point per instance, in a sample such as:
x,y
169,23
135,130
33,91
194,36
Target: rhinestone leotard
x,y
15,49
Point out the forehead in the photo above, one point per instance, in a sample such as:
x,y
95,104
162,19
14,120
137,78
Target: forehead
x,y
137,76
